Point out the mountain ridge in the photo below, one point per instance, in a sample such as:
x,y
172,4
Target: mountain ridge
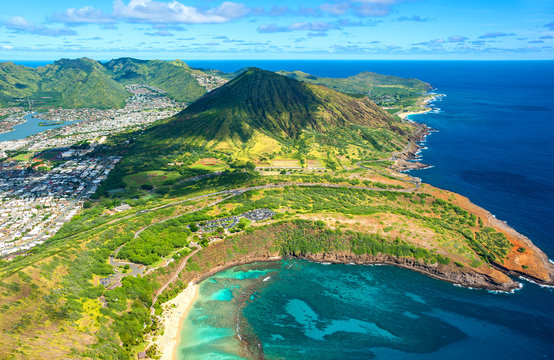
x,y
261,115
268,101
44,88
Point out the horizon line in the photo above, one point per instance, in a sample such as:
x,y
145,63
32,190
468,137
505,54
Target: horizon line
x,y
251,59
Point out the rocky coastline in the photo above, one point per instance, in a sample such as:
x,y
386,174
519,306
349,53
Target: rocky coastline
x,y
465,278
496,279
408,158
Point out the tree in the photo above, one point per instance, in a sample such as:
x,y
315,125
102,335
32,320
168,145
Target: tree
x,y
250,166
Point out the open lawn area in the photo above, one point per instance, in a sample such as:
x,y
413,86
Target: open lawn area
x,y
210,164
23,157
286,163
50,155
156,178
315,164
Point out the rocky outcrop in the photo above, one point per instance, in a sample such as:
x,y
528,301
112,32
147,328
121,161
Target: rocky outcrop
x,y
405,160
466,277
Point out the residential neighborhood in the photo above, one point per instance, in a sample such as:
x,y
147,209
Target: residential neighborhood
x,y
146,105
46,177
34,205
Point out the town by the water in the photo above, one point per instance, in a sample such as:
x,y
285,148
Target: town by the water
x,y
47,177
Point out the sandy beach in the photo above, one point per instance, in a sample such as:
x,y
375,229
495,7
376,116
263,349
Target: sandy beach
x,y
424,104
173,316
404,115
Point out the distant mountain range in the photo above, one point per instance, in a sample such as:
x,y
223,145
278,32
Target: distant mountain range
x,y
65,83
383,89
75,83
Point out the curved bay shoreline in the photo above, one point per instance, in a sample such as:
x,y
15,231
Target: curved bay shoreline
x,y
176,310
498,279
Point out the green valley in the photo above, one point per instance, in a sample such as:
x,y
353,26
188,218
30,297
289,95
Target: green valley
x,y
78,83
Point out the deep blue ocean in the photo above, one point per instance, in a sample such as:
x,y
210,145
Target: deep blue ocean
x,y
494,144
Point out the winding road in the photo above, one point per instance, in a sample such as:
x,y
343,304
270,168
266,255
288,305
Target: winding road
x,y
174,276
231,193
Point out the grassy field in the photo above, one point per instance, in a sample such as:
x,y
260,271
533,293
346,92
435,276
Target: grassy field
x,y
156,178
23,157
49,155
315,164
210,164
285,163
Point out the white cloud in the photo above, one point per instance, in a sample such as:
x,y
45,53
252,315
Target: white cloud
x,y
457,38
22,25
229,10
85,15
151,11
335,9
297,26
496,34
320,26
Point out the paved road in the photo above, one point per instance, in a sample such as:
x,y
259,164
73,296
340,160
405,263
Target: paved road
x,y
139,269
136,269
174,276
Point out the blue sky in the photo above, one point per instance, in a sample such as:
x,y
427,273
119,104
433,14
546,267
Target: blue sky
x,y
286,29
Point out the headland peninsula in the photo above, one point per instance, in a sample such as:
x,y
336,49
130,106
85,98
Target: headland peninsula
x,y
208,170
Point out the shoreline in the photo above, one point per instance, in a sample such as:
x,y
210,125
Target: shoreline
x,y
423,103
469,279
173,316
12,126
409,158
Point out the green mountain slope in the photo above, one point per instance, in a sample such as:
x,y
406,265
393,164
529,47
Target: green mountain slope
x,y
16,81
65,83
383,89
81,83
74,83
88,83
259,116
273,104
174,77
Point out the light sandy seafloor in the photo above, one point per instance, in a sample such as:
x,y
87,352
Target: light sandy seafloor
x,y
174,312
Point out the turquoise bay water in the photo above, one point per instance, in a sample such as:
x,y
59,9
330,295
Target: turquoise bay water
x,y
494,145
306,310
30,127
